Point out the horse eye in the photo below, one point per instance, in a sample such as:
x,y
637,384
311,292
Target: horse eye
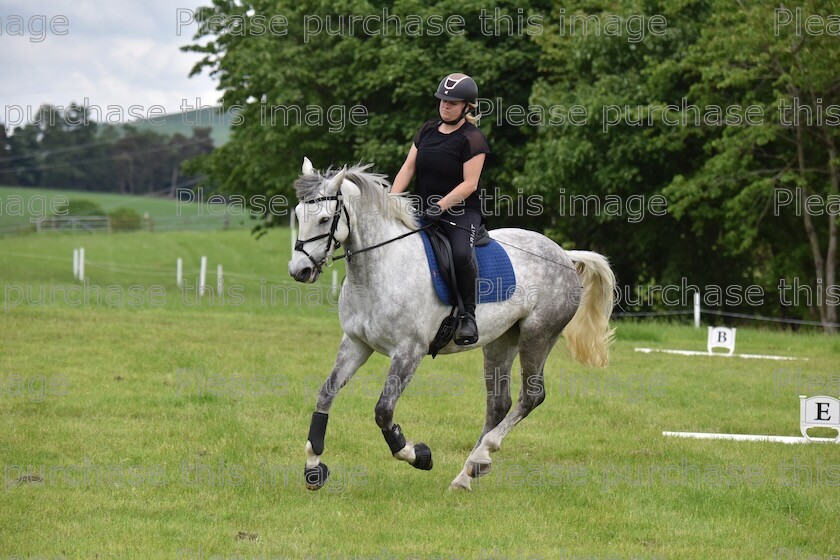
x,y
323,220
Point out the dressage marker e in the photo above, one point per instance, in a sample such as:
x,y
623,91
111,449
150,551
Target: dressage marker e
x,y
397,312
719,337
814,412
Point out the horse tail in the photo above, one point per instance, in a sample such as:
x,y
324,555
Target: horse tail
x,y
589,334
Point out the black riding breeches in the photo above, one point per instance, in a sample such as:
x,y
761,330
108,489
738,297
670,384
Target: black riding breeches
x,y
462,239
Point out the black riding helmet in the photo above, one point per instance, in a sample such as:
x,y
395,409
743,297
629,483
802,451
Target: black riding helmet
x,y
457,87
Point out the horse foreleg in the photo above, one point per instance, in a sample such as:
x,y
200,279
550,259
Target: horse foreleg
x,y
403,364
352,354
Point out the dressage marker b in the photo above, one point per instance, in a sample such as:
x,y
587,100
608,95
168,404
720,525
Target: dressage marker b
x,y
814,412
718,337
721,337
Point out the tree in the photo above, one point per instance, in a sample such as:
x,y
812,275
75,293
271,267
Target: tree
x,y
292,93
756,180
25,155
7,175
124,219
650,126
617,151
653,130
63,148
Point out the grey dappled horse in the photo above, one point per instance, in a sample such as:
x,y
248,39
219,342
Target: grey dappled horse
x,y
388,305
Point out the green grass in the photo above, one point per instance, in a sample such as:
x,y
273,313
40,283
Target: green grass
x,y
133,271
190,422
20,205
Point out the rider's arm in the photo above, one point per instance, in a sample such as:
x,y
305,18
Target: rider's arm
x,y
406,172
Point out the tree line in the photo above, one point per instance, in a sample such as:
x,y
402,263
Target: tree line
x,y
63,148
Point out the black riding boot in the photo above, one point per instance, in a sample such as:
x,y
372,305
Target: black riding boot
x,y
467,331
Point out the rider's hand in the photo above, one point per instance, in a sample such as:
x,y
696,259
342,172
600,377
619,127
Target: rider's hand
x,y
433,213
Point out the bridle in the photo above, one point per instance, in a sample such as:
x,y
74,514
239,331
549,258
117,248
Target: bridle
x,y
336,217
331,235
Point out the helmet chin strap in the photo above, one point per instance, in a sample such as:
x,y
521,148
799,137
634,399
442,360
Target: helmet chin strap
x,y
457,119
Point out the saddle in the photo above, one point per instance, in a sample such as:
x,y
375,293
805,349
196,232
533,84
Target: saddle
x,y
443,254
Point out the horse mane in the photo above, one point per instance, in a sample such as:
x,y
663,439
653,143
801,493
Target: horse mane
x,y
374,187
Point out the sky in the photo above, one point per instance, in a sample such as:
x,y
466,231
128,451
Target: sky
x,y
116,55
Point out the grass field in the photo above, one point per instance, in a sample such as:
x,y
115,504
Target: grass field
x,y
160,428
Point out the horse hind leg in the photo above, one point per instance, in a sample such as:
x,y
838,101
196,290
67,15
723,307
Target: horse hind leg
x,y
534,346
498,361
351,356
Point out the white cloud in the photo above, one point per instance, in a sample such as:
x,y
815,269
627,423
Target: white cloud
x,y
114,53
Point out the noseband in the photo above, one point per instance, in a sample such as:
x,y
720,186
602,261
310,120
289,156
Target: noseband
x,y
331,235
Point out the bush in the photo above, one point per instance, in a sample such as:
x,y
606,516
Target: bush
x,y
79,207
124,219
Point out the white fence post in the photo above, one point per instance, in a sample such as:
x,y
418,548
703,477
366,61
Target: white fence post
x,y
334,288
220,286
202,277
179,272
697,310
75,263
82,264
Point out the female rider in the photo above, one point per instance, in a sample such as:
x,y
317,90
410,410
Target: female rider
x,y
448,155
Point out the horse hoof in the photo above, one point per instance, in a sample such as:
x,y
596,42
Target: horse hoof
x,y
461,483
316,477
422,457
479,469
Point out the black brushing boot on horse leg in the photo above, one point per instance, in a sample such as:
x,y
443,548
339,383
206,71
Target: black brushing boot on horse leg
x,y
316,476
402,369
396,442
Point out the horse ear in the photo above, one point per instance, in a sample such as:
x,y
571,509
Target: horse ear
x,y
336,181
307,168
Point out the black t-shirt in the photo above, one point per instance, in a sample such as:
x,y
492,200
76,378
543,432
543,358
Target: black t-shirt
x,y
439,166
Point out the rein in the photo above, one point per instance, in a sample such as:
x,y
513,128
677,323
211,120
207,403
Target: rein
x,y
331,235
348,254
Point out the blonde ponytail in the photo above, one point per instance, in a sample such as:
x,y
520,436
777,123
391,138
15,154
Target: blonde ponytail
x,y
472,117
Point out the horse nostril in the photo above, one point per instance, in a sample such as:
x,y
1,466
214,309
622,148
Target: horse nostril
x,y
304,274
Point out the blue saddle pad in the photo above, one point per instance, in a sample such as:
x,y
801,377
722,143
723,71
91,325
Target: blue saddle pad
x,y
497,280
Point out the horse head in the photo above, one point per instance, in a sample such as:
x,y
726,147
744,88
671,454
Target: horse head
x,y
325,220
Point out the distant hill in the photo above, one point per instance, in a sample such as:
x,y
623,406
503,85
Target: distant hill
x,y
183,123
